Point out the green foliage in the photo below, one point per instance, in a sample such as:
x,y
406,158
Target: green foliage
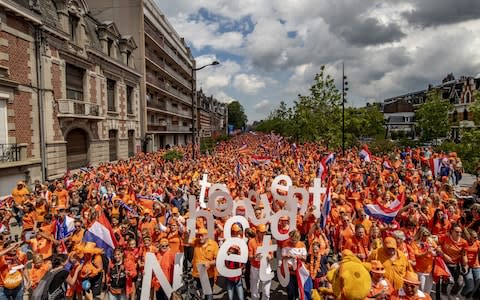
x,y
172,155
236,115
222,138
381,146
432,116
207,144
318,117
467,149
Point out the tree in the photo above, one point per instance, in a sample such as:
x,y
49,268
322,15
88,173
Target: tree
x,y
475,107
236,115
432,116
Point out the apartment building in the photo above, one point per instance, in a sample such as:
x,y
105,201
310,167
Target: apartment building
x,y
168,86
211,116
69,90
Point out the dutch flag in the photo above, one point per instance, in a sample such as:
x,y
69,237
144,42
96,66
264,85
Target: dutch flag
x,y
101,234
326,207
62,230
365,155
385,214
329,159
435,165
305,282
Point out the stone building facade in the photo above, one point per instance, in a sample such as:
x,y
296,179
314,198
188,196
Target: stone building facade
x,y
70,88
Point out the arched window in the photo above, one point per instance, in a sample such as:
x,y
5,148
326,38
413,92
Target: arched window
x,y
465,114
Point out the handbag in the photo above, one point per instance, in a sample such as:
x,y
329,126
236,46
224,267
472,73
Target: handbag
x,y
13,280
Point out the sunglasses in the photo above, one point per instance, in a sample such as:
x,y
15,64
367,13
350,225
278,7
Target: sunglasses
x,y
163,246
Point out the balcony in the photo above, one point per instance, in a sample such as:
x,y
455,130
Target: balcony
x,y
156,127
152,56
179,78
157,105
12,152
158,39
78,109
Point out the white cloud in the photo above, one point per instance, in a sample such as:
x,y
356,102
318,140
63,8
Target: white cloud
x,y
291,39
262,104
248,84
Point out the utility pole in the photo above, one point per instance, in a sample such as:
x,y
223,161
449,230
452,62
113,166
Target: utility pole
x,y
344,94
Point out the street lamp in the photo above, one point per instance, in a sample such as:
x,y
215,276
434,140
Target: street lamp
x,y
194,92
344,94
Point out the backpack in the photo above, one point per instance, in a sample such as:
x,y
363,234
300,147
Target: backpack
x,y
41,291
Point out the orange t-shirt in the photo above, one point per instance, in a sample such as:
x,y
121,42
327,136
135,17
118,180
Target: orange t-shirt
x,y
202,254
91,269
36,274
472,254
29,221
452,248
423,257
42,246
19,195
62,197
7,262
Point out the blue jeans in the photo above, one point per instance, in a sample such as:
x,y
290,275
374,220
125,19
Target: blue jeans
x,y
13,294
472,282
117,297
235,286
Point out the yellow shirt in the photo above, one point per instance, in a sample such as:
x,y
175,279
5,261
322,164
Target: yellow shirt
x,y
395,269
19,195
204,253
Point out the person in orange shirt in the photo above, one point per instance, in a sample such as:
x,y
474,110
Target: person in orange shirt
x,y
409,290
41,209
42,244
358,243
205,252
453,250
472,278
19,194
363,219
424,249
255,283
381,288
38,270
439,225
63,199
29,219
11,257
147,222
92,268
77,236
346,230
166,259
294,251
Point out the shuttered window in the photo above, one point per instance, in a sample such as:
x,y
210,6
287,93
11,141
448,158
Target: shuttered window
x,y
112,144
74,82
112,106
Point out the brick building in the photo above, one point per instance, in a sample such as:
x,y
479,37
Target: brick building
x,y
163,56
399,112
69,91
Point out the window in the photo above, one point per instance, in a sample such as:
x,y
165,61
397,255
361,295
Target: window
x,y
3,122
109,47
111,95
74,82
131,143
73,25
112,144
129,99
152,119
465,115
129,57
467,97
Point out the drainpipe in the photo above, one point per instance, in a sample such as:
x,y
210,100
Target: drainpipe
x,y
40,99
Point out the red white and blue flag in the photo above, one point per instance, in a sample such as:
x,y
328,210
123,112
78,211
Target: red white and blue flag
x,y
435,165
388,213
365,155
259,160
243,149
101,233
329,159
326,207
304,281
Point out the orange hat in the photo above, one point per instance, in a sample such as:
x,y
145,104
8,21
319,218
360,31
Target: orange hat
x,y
262,228
164,241
174,210
90,248
377,267
202,230
236,228
411,277
390,242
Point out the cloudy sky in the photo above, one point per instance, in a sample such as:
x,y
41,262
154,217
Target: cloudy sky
x,y
270,50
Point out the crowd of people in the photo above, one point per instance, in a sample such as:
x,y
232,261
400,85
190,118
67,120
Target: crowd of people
x,y
145,199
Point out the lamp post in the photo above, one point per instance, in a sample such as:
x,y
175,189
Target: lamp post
x,y
194,92
344,93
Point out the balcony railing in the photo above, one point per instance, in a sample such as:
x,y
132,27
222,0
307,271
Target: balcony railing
x,y
173,73
154,57
159,40
75,108
178,94
157,105
156,127
10,153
